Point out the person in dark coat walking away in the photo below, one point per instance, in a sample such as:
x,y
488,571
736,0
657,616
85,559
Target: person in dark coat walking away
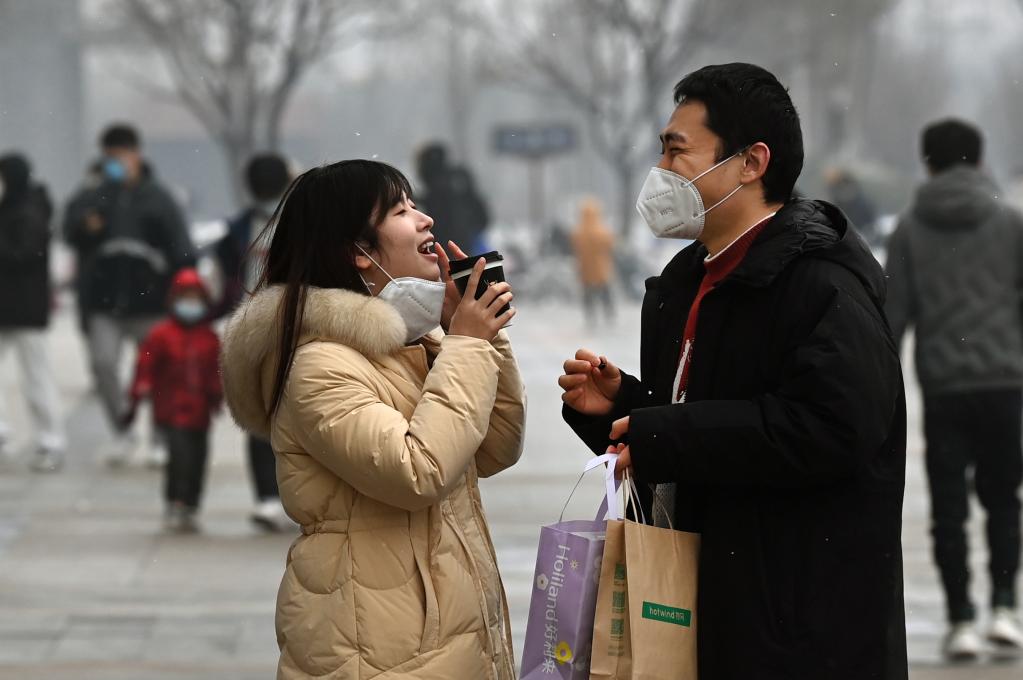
x,y
449,193
240,254
955,275
769,415
25,300
137,239
178,369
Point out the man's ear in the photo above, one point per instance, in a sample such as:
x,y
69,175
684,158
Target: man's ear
x,y
758,157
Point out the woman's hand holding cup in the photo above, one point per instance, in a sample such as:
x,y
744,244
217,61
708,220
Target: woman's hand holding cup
x,y
452,297
479,318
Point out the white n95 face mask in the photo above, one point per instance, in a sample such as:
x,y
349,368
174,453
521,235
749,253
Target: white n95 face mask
x,y
419,302
672,206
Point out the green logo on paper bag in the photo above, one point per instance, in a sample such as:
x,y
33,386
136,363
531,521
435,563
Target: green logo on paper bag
x,y
619,572
661,612
617,627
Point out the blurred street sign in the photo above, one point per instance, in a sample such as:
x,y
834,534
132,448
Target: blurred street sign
x,y
535,141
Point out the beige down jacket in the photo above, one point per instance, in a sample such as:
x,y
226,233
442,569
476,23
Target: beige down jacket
x,y
379,446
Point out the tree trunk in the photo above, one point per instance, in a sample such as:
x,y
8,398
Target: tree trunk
x,y
626,196
459,100
274,121
236,154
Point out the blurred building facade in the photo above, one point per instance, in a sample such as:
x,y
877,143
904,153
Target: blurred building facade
x,y
41,87
63,76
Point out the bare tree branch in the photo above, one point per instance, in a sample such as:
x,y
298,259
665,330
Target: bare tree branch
x,y
611,60
235,64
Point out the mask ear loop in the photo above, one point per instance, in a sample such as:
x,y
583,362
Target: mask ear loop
x,y
364,281
733,191
730,194
717,165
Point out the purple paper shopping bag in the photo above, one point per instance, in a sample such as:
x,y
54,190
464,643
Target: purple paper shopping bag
x,y
560,624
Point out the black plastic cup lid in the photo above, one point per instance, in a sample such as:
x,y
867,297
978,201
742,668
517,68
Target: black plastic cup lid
x,y
458,266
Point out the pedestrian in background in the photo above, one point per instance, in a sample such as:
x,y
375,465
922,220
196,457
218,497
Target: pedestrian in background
x,y
593,244
241,255
136,239
25,304
449,194
178,369
955,275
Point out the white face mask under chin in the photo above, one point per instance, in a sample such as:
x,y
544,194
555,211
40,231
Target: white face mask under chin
x,y
672,206
418,301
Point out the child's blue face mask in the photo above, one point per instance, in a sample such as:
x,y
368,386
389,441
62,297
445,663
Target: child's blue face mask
x,y
189,311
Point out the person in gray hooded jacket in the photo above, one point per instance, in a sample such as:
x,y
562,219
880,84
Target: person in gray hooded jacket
x,y
955,274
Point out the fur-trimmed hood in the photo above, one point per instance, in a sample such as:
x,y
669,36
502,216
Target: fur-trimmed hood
x,y
250,348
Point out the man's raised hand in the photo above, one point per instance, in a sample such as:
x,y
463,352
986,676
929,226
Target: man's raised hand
x,y
590,383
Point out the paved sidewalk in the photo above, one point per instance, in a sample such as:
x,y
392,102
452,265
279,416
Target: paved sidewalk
x,y
90,588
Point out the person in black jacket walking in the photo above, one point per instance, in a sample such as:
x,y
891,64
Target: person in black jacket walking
x,y
449,194
134,238
955,274
240,254
770,414
25,299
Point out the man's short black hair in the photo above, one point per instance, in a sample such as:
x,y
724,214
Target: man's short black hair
x,y
267,176
120,136
746,104
949,142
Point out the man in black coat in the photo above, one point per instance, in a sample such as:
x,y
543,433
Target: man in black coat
x,y
770,412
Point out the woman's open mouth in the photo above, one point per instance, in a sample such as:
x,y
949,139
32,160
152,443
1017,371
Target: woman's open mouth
x,y
427,250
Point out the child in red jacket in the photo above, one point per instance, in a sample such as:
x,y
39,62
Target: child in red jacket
x,y
178,369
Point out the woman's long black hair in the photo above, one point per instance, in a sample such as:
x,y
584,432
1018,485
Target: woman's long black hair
x,y
313,235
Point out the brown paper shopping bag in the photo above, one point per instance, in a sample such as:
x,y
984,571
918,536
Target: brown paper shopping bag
x,y
611,655
645,621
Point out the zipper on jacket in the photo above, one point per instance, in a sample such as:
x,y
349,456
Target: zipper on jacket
x,y
477,510
477,581
431,624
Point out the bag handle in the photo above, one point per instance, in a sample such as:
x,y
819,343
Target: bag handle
x,y
610,503
632,496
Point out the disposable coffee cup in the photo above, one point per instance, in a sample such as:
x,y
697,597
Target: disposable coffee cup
x,y
493,272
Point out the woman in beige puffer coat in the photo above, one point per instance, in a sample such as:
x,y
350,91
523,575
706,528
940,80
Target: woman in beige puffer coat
x,y
379,437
